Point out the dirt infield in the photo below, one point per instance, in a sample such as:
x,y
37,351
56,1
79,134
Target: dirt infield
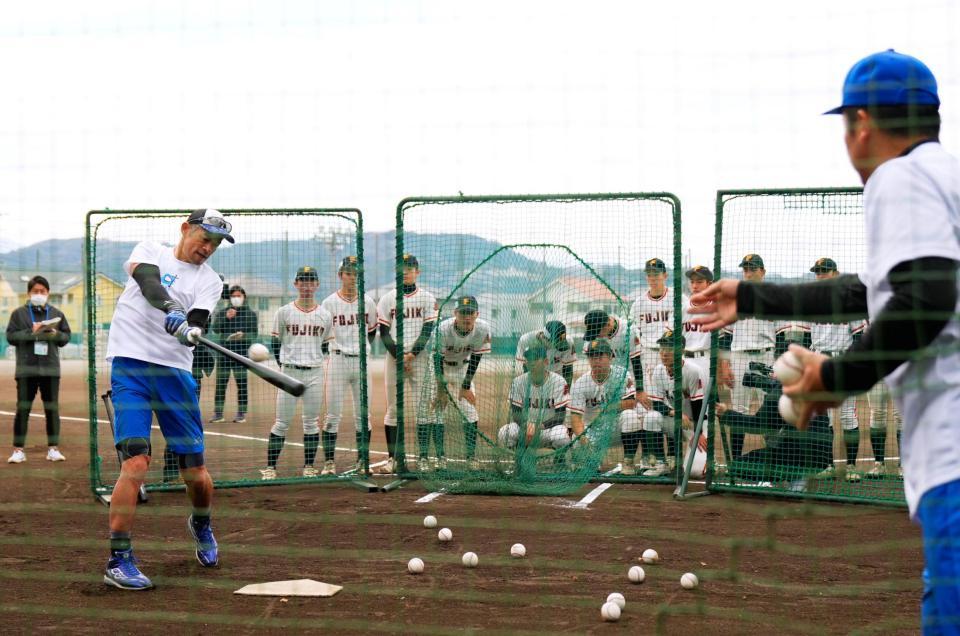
x,y
766,566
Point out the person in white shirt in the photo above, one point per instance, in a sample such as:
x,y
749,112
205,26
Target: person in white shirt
x,y
561,354
910,292
538,407
651,315
158,319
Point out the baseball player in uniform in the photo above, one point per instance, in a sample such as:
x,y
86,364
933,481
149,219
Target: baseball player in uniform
x,y
881,407
910,292
832,340
606,387
652,316
164,306
538,406
419,319
560,353
599,324
460,344
300,331
658,422
697,349
343,363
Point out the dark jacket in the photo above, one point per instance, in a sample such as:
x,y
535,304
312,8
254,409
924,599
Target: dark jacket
x,y
245,321
20,335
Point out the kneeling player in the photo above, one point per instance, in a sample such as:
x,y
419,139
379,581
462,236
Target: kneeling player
x,y
538,406
597,393
658,422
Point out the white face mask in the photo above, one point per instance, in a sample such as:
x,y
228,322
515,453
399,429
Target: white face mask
x,y
38,299
236,301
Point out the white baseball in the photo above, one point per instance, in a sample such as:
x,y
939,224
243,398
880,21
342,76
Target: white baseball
x,y
415,566
650,556
636,574
258,352
429,521
445,534
788,409
788,368
470,559
689,581
610,612
617,597
517,550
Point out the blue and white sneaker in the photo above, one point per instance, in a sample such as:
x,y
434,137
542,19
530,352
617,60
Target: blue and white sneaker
x,y
202,533
122,572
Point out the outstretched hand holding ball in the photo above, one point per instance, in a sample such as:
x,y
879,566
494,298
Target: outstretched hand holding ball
x,y
805,396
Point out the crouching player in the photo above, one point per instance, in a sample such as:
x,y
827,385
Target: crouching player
x,y
606,389
658,422
538,406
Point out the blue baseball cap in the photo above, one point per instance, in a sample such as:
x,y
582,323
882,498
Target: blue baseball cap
x,y
888,79
213,222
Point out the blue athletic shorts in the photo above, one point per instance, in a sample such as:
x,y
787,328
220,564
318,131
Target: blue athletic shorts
x,y
143,388
939,516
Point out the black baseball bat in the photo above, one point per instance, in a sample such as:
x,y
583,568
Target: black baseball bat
x,y
280,380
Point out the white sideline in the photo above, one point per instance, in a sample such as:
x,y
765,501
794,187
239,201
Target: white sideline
x,y
213,433
430,497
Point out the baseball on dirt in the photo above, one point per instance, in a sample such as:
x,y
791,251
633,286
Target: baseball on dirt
x,y
610,612
429,521
445,534
788,368
689,581
650,556
517,550
470,559
258,352
636,574
617,597
415,566
788,409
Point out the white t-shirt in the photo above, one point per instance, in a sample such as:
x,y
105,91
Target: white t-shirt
x,y
750,334
557,359
587,396
302,334
539,403
652,317
136,330
912,210
344,315
457,347
697,339
419,307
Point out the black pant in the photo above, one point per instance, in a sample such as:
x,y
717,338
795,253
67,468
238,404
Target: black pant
x,y
223,378
27,388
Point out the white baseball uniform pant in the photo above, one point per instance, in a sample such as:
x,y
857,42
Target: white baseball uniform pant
x,y
881,407
553,437
412,384
312,397
342,375
453,375
747,399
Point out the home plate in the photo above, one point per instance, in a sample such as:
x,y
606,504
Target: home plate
x,y
298,587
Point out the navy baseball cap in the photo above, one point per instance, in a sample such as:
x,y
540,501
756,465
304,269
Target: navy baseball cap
x,y
556,329
655,266
213,222
700,271
409,260
824,265
668,340
536,352
751,261
467,305
350,263
307,273
888,79
599,347
593,323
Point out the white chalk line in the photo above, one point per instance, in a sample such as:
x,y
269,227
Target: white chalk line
x,y
430,497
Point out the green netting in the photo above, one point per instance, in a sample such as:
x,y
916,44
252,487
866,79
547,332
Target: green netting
x,y
271,245
852,454
528,261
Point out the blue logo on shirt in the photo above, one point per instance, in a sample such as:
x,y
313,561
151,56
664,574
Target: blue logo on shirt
x,y
168,280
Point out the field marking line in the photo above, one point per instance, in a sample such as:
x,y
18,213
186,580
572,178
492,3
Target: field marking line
x,y
430,497
592,496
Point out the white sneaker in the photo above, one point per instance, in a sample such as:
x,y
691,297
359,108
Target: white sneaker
x,y
627,468
827,473
266,474
389,468
329,468
852,476
659,469
646,462
54,455
440,463
18,456
877,472
359,467
423,464
310,471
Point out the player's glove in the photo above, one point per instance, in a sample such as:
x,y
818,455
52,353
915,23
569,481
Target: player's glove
x,y
176,316
188,335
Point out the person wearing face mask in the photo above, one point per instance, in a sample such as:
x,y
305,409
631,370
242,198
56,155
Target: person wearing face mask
x,y
37,330
237,327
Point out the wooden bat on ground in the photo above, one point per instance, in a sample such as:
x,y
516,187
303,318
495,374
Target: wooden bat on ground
x,y
280,380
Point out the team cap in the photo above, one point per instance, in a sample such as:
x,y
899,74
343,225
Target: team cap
x,y
556,329
593,322
654,266
307,273
409,260
700,271
536,352
350,262
668,340
751,261
888,79
599,347
824,265
467,305
213,222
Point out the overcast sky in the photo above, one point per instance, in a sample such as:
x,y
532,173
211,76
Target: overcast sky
x,y
268,104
